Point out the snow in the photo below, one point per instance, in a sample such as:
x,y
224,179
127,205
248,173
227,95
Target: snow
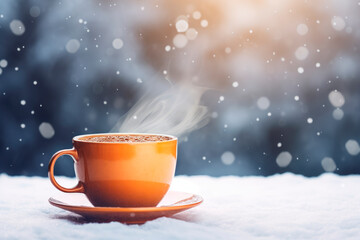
x,y
180,40
34,11
336,98
228,50
191,34
17,27
182,25
338,23
227,158
204,23
167,48
328,164
283,159
338,114
283,206
197,15
263,103
117,43
302,29
72,46
3,63
352,147
301,53
46,130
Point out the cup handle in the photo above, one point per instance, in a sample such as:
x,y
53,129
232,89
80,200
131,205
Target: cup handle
x,y
79,188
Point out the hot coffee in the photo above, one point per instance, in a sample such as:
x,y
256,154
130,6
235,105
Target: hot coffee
x,y
121,170
126,138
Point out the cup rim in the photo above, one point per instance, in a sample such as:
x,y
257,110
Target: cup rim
x,y
78,138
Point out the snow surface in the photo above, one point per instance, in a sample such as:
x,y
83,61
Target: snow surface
x,y
283,206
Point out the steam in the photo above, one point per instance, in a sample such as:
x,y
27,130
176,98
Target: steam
x,y
175,112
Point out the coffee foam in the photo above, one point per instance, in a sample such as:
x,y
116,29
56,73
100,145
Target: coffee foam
x,y
126,138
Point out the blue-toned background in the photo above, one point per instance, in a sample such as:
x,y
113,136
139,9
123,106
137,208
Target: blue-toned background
x,y
283,80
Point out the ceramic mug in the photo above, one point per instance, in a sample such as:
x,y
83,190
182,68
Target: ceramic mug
x,y
120,174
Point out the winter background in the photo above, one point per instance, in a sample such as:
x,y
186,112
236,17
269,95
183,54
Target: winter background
x,y
281,79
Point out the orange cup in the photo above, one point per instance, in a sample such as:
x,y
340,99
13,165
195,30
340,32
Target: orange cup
x,y
120,174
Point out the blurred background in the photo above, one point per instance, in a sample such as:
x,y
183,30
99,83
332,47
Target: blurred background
x,y
282,80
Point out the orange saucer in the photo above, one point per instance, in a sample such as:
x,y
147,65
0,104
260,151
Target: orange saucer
x,y
172,203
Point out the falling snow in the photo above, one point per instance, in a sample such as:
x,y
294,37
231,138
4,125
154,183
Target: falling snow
x,y
283,159
46,130
3,63
263,103
196,15
180,40
72,46
336,98
17,27
204,23
328,164
167,48
301,53
227,158
117,43
182,25
34,11
302,29
338,114
338,23
352,147
227,50
191,34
